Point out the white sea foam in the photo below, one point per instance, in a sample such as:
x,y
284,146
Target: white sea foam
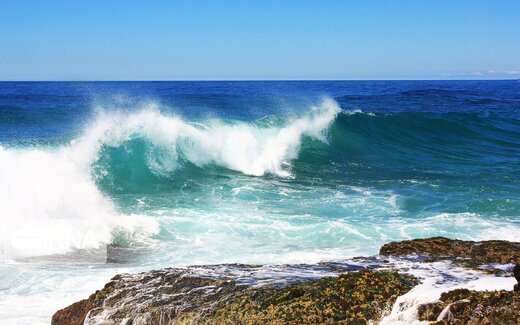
x,y
49,204
39,293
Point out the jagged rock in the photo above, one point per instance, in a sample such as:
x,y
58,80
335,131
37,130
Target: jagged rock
x,y
491,251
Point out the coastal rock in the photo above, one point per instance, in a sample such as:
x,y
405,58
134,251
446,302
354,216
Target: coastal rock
x,y
491,251
172,295
75,313
464,306
351,298
356,291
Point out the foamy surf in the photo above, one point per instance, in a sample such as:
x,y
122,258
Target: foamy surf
x,y
50,202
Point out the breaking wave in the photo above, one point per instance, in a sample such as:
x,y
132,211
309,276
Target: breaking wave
x,y
50,198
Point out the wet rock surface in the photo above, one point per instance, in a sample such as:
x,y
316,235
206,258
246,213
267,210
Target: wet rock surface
x,y
354,291
187,297
351,298
491,251
76,313
464,306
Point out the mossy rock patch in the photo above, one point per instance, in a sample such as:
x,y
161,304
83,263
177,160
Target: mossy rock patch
x,y
350,298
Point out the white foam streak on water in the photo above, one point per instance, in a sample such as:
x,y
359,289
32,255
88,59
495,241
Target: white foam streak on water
x,y
465,225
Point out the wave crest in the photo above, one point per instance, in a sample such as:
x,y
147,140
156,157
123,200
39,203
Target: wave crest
x,y
251,148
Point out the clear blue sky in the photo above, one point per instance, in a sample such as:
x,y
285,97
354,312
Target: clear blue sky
x,y
362,39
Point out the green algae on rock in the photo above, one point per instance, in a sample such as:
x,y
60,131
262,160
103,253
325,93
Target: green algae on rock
x,y
351,298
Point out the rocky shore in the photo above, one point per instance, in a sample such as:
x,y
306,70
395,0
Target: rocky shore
x,y
429,280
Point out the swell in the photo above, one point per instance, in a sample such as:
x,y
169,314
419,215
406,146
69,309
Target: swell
x,y
465,134
437,100
294,148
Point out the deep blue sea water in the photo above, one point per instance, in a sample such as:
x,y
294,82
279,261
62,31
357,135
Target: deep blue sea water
x,y
183,173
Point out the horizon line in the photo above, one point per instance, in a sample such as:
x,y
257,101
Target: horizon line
x,y
246,80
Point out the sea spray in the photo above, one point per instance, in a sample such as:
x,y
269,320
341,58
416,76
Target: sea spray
x,y
49,205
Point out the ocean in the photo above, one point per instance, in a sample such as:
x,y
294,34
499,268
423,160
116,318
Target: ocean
x,y
149,175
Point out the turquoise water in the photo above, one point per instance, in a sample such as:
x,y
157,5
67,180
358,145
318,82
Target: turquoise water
x,y
183,173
